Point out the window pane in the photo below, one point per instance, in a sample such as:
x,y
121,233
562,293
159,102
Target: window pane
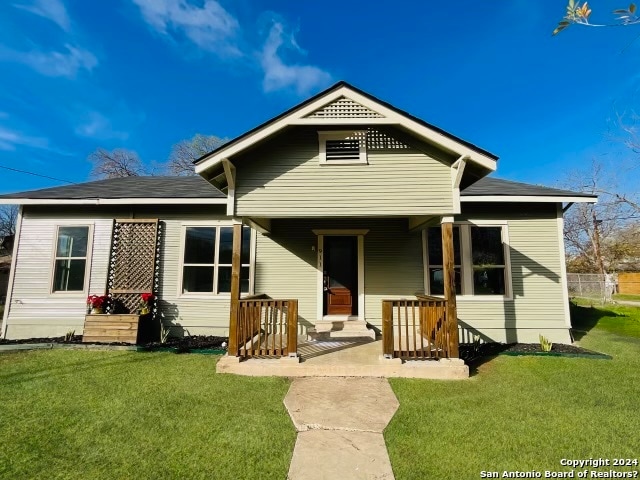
x,y
226,245
72,242
486,246
246,246
436,281
199,245
69,276
197,279
488,281
244,280
434,240
224,279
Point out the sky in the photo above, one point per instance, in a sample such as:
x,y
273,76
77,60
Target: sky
x,y
144,74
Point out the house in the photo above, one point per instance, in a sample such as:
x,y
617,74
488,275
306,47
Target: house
x,y
342,216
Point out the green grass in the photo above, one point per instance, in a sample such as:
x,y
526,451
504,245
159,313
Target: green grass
x,y
109,415
525,413
624,296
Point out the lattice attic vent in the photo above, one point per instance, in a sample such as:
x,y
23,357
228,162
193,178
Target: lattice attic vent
x,y
344,108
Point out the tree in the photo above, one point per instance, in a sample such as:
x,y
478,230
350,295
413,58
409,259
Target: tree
x,y
579,13
115,163
599,237
8,220
185,152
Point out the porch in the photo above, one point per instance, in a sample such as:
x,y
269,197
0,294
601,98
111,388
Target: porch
x,y
416,337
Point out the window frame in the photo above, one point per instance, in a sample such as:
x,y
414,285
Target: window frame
x,y
214,224
324,135
87,262
467,267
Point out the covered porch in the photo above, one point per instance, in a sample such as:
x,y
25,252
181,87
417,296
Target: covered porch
x,y
414,335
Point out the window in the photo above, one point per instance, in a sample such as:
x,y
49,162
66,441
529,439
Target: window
x,y
207,259
479,260
70,262
343,147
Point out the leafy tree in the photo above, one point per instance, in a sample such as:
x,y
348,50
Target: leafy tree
x,y
185,152
115,163
579,13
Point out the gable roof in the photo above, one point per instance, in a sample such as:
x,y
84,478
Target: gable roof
x,y
140,190
496,189
302,114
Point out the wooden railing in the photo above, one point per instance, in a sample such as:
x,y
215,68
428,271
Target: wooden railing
x,y
416,329
265,328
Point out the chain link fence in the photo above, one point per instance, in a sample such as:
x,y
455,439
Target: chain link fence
x,y
592,286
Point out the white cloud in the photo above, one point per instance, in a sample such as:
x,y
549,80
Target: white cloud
x,y
278,75
97,126
53,10
209,26
53,64
10,139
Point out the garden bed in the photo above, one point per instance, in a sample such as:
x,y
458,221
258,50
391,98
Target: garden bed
x,y
469,353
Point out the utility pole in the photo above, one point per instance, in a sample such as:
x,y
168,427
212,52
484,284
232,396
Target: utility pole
x,y
596,241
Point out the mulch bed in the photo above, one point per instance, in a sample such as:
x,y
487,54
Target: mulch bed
x,y
180,345
469,354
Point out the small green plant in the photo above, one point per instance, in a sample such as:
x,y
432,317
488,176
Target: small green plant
x,y
164,333
545,344
69,335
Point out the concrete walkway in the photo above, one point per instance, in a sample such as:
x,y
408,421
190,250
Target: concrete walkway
x,y
340,423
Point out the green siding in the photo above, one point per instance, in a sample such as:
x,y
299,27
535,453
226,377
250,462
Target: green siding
x,y
283,178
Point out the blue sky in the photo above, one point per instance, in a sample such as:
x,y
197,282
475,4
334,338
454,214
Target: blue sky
x,y
145,74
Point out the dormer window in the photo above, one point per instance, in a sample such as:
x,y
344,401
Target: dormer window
x,y
343,148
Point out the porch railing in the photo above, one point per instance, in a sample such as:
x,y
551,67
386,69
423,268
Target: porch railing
x,y
416,329
266,327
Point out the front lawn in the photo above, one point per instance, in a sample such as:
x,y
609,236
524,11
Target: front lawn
x,y
526,413
626,296
110,415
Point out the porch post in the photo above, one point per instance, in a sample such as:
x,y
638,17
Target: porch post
x,y
235,289
450,286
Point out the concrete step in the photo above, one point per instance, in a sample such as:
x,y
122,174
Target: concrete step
x,y
337,329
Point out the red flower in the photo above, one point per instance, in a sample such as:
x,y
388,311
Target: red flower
x,y
146,297
97,301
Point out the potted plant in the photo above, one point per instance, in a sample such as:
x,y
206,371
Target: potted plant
x,y
145,298
96,303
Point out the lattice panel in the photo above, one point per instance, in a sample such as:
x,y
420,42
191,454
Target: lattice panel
x,y
134,267
344,108
377,140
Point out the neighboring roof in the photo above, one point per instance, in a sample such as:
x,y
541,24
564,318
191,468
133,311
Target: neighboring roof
x,y
297,116
191,189
497,189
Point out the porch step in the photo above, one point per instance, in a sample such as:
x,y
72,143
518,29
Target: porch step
x,y
336,329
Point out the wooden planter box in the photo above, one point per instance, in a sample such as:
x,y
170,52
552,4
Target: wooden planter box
x,y
110,328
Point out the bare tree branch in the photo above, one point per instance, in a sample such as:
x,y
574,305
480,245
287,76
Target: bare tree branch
x,y
115,163
185,152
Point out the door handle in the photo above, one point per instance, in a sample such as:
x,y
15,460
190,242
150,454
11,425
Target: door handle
x,y
325,283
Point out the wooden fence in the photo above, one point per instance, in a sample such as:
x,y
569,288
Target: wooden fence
x,y
629,283
416,329
266,328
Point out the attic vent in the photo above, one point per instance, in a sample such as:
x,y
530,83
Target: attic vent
x,y
343,147
344,108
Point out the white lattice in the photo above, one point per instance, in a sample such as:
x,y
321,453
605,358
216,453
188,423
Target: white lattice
x,y
344,108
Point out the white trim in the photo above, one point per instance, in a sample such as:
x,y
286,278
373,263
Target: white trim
x,y
337,231
230,174
12,273
392,117
262,225
563,268
214,294
320,269
87,265
446,220
341,121
113,201
231,202
457,170
526,198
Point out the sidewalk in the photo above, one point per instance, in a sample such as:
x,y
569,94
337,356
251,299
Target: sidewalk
x,y
340,423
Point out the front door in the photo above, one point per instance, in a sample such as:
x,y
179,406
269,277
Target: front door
x,y
341,275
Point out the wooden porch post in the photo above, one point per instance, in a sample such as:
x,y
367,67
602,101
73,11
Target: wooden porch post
x,y
235,289
450,287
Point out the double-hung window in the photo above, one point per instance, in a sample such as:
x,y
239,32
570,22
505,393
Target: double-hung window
x,y
206,266
480,260
70,263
